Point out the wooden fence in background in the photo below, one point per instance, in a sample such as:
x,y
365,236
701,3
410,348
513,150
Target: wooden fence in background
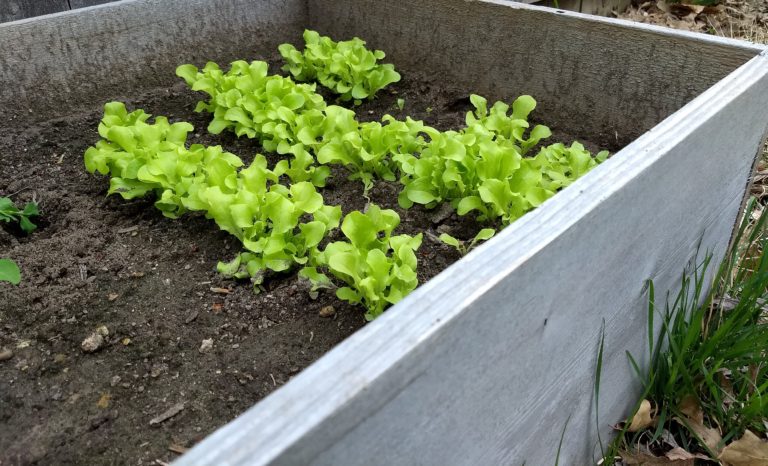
x,y
12,10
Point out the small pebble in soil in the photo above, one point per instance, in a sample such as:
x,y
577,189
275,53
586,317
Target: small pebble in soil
x,y
192,316
206,346
327,311
5,354
158,370
265,323
95,341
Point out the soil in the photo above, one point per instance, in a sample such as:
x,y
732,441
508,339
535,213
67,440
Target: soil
x,y
151,281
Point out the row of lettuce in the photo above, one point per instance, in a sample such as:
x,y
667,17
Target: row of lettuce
x,y
279,215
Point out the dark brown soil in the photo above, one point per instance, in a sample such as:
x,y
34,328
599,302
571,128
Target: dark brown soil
x,y
151,281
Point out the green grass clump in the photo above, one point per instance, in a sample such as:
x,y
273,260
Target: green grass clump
x,y
711,352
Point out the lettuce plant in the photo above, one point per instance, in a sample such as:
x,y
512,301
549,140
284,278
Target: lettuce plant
x,y
465,246
377,268
510,127
292,119
366,149
347,68
142,157
443,171
484,168
563,165
9,272
9,213
271,220
252,103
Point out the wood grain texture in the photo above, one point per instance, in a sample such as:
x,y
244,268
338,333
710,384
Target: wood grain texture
x,y
53,65
12,10
487,362
606,78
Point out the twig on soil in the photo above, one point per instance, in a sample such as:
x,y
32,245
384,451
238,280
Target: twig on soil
x,y
177,449
274,382
128,230
172,411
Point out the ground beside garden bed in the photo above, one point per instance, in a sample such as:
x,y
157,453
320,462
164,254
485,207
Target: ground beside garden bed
x,y
152,282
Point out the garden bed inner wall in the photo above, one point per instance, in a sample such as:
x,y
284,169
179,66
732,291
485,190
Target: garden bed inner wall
x,y
59,64
598,77
487,362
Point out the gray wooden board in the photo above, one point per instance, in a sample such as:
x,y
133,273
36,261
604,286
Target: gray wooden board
x,y
55,65
607,78
484,363
12,10
487,362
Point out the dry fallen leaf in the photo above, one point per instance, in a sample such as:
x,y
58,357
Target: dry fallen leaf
x,y
749,450
692,410
645,458
678,454
177,448
711,437
643,418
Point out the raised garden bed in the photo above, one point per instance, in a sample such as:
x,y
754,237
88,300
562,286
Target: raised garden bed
x,y
485,362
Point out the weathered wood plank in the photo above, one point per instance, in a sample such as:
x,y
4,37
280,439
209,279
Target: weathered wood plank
x,y
624,82
12,10
54,65
487,362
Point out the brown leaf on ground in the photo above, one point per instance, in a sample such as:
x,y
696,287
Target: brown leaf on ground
x,y
643,418
678,454
691,408
741,19
676,15
749,450
711,437
647,458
